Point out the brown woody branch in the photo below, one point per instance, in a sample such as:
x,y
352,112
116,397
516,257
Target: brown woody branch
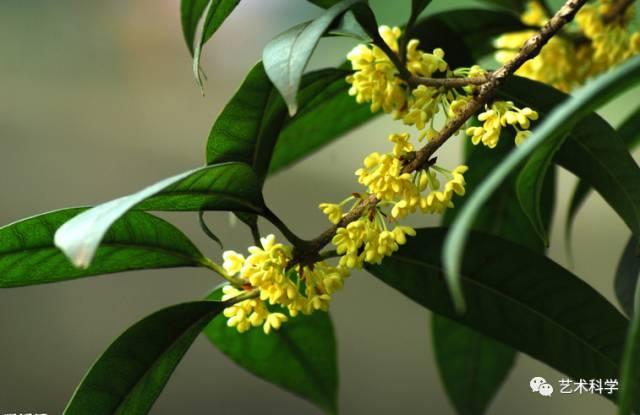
x,y
309,250
617,11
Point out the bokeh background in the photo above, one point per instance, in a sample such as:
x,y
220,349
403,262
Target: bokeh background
x,y
97,100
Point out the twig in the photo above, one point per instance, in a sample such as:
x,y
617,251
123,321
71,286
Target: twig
x,y
448,82
616,11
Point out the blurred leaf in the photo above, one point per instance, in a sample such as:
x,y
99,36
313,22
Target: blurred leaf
x,y
603,163
249,124
627,275
628,399
517,296
517,6
131,373
559,122
316,122
474,28
135,241
286,56
191,12
530,184
472,366
629,133
227,186
299,357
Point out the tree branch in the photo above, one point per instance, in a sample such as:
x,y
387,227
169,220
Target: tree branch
x,y
448,82
487,89
617,10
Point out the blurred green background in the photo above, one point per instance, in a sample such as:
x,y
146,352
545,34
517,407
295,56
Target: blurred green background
x,y
97,100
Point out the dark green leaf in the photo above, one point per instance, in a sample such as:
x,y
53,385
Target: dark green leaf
x,y
299,357
624,175
131,373
418,6
316,124
136,240
249,124
472,366
631,359
627,275
217,12
207,231
629,133
227,186
517,296
515,5
457,31
191,12
286,56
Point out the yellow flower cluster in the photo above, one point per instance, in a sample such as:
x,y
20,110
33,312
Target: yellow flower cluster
x,y
588,48
376,80
376,234
302,290
499,115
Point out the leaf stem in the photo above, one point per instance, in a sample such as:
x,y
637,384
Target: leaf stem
x,y
295,240
207,263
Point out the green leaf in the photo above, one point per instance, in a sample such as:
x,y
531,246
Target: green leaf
x,y
472,366
418,6
515,5
457,31
627,275
136,240
299,357
191,12
629,133
556,124
248,126
217,12
227,186
131,373
630,371
286,56
517,296
316,124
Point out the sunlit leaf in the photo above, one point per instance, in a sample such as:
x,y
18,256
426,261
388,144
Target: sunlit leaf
x,y
227,186
286,56
136,240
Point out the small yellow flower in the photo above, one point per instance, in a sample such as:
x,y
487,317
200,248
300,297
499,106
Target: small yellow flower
x,y
233,262
333,212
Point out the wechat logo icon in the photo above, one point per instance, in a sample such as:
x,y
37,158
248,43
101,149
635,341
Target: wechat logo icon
x,y
539,384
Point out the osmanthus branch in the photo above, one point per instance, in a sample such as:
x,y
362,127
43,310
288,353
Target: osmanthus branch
x,y
617,9
306,251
